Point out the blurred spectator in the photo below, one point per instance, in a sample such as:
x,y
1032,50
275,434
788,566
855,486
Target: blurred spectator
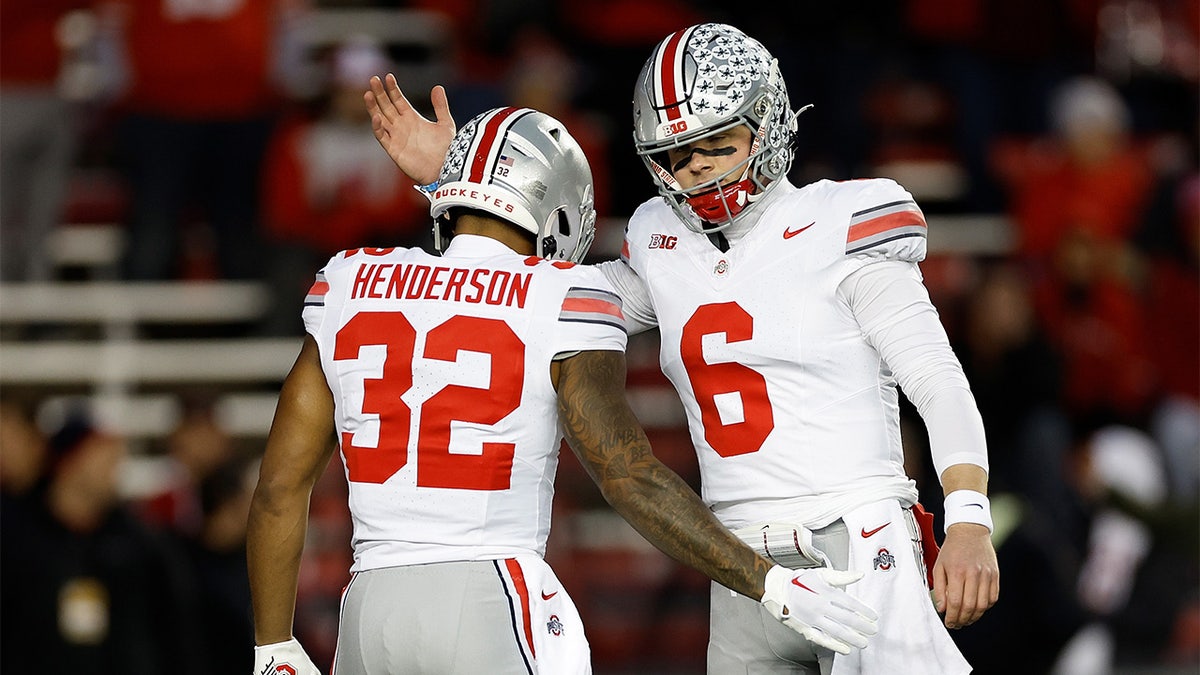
x,y
203,85
197,447
1100,578
38,133
85,588
22,453
1098,325
1076,201
543,75
1088,177
1170,240
328,188
218,560
1132,580
1000,60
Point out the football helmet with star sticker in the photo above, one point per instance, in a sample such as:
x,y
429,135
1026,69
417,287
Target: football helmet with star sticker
x,y
523,167
702,81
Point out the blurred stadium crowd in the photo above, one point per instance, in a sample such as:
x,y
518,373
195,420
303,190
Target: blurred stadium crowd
x,y
223,144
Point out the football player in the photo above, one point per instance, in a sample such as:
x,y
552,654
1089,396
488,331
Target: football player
x,y
789,317
446,381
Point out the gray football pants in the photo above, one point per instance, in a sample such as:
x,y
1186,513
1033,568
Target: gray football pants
x,y
744,639
445,618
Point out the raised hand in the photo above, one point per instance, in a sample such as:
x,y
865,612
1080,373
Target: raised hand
x,y
415,144
812,602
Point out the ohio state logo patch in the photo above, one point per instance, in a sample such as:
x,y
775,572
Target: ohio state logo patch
x,y
273,668
554,626
884,560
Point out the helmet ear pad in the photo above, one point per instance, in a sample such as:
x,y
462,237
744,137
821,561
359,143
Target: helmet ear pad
x,y
523,167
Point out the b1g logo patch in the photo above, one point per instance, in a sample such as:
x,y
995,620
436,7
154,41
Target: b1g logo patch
x,y
884,560
554,626
663,241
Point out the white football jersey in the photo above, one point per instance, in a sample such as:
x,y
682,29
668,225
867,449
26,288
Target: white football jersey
x,y
791,410
445,412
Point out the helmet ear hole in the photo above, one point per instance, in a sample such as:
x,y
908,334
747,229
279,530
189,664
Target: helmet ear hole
x,y
564,225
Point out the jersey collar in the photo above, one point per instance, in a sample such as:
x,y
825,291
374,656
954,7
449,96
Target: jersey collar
x,y
476,246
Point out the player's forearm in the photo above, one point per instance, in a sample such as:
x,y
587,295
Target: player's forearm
x,y
298,449
665,510
274,543
964,477
611,445
893,309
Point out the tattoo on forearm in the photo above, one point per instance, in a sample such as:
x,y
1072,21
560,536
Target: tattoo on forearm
x,y
609,441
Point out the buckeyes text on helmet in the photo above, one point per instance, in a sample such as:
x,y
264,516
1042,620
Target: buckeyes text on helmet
x,y
523,167
699,82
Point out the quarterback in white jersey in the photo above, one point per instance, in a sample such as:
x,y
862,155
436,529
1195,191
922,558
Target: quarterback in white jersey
x,y
449,383
788,317
781,349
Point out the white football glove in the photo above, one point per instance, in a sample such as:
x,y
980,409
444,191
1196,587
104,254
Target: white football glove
x,y
812,603
283,658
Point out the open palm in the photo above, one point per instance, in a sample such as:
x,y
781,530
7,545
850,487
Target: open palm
x,y
417,145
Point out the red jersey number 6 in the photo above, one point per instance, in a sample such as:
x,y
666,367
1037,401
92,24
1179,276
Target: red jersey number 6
x,y
716,379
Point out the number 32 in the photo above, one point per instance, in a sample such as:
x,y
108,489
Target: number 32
x,y
436,467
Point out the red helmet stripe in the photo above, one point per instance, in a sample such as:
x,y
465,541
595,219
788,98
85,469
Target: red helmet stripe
x,y
487,142
671,73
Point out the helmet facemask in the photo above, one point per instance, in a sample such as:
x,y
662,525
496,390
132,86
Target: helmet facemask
x,y
700,82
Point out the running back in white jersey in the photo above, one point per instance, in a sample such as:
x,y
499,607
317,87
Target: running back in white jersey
x,y
787,403
445,411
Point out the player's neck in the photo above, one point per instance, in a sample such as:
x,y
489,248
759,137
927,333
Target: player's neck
x,y
493,228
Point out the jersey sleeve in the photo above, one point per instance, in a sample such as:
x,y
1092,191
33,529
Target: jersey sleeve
x,y
590,317
884,223
893,309
313,312
635,296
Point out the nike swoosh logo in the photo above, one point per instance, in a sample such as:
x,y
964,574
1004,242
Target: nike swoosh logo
x,y
797,582
867,533
788,234
547,596
978,506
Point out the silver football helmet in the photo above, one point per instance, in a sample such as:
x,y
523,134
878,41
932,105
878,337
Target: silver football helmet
x,y
702,81
521,166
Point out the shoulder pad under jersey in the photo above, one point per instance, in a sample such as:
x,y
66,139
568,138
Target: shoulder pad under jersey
x,y
883,221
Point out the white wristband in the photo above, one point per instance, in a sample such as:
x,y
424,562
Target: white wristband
x,y
967,506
